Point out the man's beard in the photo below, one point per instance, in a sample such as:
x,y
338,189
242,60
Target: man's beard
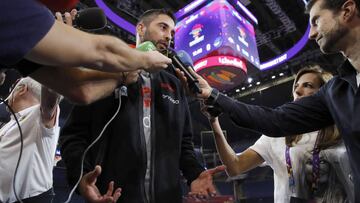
x,y
332,38
147,37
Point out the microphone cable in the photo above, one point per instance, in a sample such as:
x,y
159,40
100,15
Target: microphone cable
x,y
21,147
119,93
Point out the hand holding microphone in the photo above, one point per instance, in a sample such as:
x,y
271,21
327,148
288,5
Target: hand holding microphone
x,y
153,60
131,77
196,84
183,66
182,61
90,19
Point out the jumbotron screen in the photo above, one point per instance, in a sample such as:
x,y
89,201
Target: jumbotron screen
x,y
217,29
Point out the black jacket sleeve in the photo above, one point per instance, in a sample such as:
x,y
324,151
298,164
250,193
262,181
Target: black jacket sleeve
x,y
74,139
189,165
304,115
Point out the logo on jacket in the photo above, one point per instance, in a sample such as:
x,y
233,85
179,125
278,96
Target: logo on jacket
x,y
167,87
172,100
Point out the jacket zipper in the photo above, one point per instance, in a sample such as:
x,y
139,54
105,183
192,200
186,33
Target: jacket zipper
x,y
152,143
143,143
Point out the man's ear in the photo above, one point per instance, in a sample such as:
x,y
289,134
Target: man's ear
x,y
349,10
140,29
22,89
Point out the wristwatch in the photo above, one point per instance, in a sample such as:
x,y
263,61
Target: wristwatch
x,y
212,107
211,100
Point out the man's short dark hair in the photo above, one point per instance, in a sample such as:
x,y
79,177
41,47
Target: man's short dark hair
x,y
333,5
149,15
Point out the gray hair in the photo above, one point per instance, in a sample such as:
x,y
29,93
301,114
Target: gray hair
x,y
33,86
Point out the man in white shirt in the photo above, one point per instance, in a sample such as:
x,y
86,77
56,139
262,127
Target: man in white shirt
x,y
37,111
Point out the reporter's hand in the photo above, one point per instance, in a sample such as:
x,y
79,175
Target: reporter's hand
x,y
68,17
130,77
92,194
203,186
154,61
203,84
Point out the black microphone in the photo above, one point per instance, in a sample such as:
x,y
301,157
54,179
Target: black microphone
x,y
183,61
90,19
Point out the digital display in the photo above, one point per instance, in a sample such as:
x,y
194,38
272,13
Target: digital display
x,y
217,29
222,72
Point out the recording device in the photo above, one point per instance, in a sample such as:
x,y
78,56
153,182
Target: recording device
x,y
183,61
121,91
90,19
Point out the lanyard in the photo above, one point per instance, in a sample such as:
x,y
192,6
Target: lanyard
x,y
289,169
315,167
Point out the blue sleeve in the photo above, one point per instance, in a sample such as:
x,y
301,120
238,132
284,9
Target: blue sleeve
x,y
23,23
305,115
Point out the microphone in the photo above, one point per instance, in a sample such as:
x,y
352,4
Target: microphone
x,y
183,61
146,46
89,19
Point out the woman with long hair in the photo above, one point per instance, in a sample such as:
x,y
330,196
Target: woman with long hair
x,y
300,171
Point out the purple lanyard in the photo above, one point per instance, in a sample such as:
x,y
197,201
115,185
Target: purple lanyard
x,y
289,169
315,167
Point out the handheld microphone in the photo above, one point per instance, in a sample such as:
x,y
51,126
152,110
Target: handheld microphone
x,y
89,19
144,47
183,61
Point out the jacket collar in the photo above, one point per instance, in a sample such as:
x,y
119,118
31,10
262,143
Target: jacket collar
x,y
348,73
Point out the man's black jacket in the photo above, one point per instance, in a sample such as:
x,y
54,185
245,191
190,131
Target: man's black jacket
x,y
121,150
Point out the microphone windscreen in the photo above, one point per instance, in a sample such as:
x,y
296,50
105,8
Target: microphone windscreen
x,y
185,58
146,46
90,19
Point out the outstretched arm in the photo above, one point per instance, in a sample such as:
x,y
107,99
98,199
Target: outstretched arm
x,y
79,85
235,164
100,52
48,106
304,115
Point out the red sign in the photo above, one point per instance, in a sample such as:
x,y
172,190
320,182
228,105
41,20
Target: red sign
x,y
220,61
